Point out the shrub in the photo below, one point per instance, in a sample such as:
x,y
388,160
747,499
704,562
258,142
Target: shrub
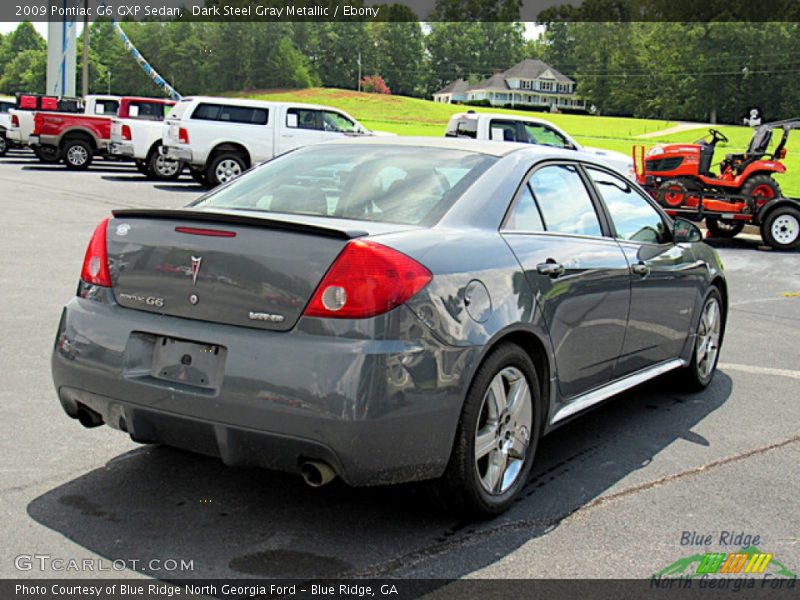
x,y
374,84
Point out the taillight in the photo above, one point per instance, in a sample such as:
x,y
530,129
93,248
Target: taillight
x,y
367,279
14,121
126,133
95,263
183,135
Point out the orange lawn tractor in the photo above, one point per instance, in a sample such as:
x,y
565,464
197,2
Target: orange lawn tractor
x,y
744,191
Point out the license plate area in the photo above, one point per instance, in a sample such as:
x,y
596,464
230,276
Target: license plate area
x,y
187,363
175,363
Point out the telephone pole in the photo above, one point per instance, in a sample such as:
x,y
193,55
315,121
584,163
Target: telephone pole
x,y
359,71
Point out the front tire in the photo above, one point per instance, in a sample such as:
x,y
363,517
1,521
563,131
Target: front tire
x,y
724,229
781,228
77,154
697,375
225,167
497,436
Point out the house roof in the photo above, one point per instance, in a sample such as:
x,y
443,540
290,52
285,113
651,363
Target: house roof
x,y
495,82
459,86
532,68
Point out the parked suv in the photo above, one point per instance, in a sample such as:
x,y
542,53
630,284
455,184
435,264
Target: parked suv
x,y
530,130
220,138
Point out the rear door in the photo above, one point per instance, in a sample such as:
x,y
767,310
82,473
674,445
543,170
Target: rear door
x,y
664,276
578,274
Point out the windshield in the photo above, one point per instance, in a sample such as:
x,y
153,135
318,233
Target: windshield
x,y
387,184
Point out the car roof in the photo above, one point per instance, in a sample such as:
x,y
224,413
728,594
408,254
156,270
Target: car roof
x,y
492,148
505,116
252,102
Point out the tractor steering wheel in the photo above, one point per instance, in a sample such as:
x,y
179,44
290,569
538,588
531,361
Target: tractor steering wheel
x,y
718,136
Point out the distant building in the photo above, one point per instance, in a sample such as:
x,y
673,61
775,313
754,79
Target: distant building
x,y
454,92
531,83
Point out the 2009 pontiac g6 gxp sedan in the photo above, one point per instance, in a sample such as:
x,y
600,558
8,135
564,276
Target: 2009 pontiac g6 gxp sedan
x,y
388,310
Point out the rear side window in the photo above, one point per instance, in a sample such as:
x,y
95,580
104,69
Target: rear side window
x,y
525,215
146,111
106,107
564,201
231,114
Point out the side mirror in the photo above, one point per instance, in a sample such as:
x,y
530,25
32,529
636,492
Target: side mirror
x,y
684,231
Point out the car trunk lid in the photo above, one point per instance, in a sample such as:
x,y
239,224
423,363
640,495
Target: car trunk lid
x,y
221,267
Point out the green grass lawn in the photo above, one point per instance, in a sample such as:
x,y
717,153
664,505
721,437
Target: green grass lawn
x,y
412,116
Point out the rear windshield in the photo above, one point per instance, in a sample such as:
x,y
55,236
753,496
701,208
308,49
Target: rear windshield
x,y
146,111
462,128
388,184
6,106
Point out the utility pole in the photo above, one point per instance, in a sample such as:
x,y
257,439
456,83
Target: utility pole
x,y
85,72
359,71
109,82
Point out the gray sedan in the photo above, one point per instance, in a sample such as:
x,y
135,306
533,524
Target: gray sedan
x,y
388,310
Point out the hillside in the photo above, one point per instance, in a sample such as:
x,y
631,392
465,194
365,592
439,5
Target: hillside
x,y
412,116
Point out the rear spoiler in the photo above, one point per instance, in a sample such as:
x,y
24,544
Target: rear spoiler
x,y
235,219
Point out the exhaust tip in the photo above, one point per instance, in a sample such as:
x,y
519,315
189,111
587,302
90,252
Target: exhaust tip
x,y
88,418
317,473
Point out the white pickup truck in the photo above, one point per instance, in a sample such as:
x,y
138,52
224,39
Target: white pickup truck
x,y
22,119
6,104
220,138
515,128
136,134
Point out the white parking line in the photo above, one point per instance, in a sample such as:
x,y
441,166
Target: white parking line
x,y
760,370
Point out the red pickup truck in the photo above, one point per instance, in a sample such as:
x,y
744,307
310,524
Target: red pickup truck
x,y
78,138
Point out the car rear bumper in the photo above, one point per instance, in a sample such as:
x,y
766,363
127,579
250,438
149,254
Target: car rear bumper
x,y
377,411
175,153
121,149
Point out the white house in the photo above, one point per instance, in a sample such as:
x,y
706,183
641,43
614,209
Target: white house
x,y
531,83
454,92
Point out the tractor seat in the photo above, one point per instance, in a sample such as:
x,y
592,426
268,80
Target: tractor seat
x,y
757,148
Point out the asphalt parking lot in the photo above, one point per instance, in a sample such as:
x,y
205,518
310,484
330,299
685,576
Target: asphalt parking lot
x,y
611,496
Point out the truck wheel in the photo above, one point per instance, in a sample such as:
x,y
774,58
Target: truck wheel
x,y
3,145
497,435
724,229
46,154
761,187
781,228
77,155
225,167
160,167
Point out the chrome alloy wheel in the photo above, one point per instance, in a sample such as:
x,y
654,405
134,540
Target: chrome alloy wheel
x,y
786,229
503,431
228,170
165,167
77,155
708,334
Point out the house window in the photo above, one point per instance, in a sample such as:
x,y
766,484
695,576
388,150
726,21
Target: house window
x,y
545,86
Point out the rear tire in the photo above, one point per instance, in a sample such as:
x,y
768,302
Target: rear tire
x,y
161,168
78,154
497,436
46,154
724,229
225,167
761,186
781,228
3,145
697,375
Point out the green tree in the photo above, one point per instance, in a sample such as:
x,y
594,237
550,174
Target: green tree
x,y
26,72
401,56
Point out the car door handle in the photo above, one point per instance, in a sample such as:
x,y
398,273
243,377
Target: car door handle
x,y
550,268
640,269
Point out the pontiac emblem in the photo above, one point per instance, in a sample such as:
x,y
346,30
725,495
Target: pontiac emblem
x,y
196,260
